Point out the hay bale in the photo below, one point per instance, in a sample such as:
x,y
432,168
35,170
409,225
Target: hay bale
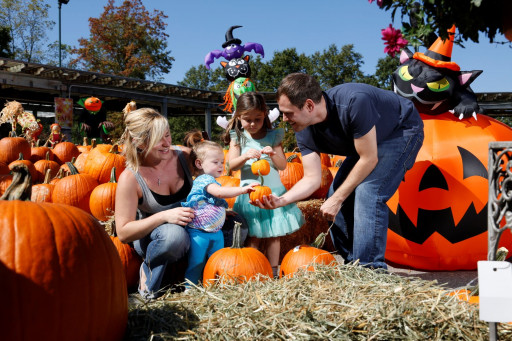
x,y
344,302
315,224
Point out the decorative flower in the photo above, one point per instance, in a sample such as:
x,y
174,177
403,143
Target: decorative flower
x,y
379,2
394,40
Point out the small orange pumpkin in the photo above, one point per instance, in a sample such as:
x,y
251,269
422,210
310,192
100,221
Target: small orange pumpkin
x,y
260,167
42,166
236,264
259,192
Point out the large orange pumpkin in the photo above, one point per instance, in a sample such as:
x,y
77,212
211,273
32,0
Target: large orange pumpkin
x,y
64,151
74,189
61,277
28,163
236,264
11,147
131,261
293,172
103,198
438,216
229,181
99,163
325,183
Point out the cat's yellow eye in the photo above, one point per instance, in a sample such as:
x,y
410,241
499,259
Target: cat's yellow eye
x,y
440,85
404,73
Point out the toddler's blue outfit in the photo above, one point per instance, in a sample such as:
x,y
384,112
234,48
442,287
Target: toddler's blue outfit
x,y
265,223
205,229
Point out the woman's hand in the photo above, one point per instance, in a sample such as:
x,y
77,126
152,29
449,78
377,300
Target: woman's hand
x,y
252,154
269,202
179,215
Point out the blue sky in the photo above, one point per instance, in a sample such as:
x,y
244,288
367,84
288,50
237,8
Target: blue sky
x,y
196,27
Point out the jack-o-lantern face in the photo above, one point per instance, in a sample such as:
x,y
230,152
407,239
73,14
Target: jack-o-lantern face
x,y
438,216
92,104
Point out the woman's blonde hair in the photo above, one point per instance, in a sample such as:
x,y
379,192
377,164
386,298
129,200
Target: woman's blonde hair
x,y
145,127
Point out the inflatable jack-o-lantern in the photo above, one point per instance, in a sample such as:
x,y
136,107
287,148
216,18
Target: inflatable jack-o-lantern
x,y
438,216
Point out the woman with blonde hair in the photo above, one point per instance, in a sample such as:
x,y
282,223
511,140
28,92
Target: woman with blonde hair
x,y
149,194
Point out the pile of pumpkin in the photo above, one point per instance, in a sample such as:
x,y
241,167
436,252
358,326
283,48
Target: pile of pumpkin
x,y
56,256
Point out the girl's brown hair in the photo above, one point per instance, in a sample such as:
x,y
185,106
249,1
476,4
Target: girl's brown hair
x,y
247,102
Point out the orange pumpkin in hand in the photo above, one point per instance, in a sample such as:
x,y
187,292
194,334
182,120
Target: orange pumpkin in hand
x,y
260,167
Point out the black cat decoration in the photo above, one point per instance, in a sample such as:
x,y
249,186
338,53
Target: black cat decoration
x,y
236,68
434,83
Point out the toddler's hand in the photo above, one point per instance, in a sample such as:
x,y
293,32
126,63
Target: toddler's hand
x,y
250,188
268,150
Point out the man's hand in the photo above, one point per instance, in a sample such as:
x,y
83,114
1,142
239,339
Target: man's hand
x,y
330,208
269,202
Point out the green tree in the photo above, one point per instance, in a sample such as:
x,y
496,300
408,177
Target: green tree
x,y
52,57
126,41
384,73
436,16
201,78
333,66
28,23
270,74
5,39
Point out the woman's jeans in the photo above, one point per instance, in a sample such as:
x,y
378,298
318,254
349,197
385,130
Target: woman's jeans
x,y
360,228
165,244
202,245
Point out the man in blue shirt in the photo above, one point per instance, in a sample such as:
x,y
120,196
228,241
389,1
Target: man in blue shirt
x,y
379,132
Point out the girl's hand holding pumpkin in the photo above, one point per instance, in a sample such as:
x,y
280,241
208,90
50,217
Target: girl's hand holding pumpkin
x,y
252,154
268,150
179,215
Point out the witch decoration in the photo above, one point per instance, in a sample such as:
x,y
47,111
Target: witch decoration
x,y
434,83
236,69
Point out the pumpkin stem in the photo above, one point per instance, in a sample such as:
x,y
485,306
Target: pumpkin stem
x,y
93,143
113,175
261,177
85,141
319,241
72,168
21,185
21,157
228,169
338,163
291,157
114,149
47,176
237,243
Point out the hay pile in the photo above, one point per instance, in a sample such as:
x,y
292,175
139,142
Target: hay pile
x,y
342,303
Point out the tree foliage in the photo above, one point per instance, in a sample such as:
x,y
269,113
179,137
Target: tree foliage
x,y
5,40
434,17
27,21
126,41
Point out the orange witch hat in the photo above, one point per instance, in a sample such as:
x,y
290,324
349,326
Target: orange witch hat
x,y
440,53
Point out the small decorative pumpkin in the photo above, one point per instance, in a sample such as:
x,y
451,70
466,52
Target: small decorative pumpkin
x,y
92,104
304,256
260,167
103,198
60,274
259,192
236,264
